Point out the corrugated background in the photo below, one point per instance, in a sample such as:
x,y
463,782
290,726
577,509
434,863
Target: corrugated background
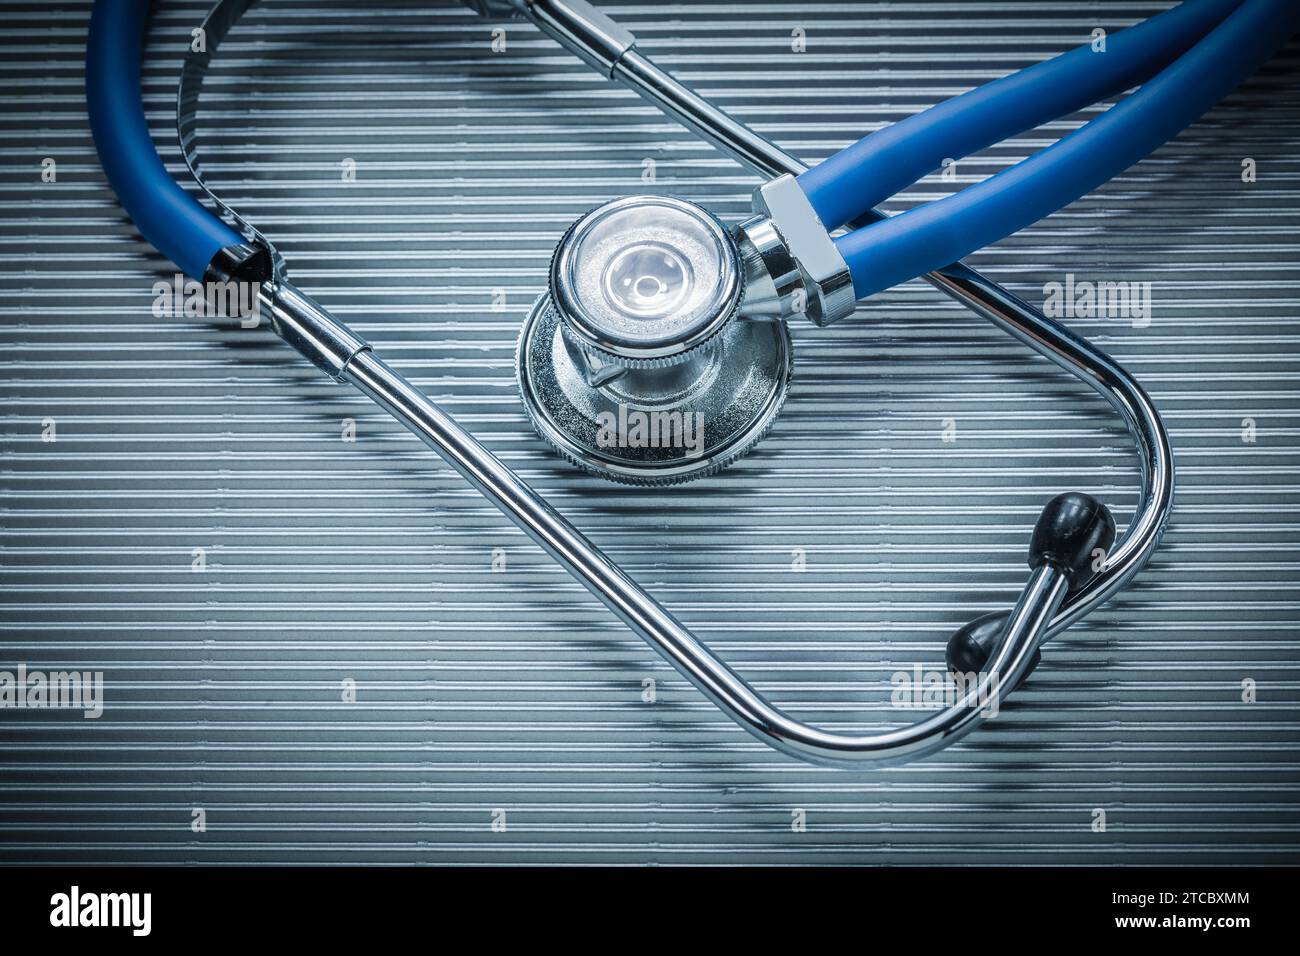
x,y
515,691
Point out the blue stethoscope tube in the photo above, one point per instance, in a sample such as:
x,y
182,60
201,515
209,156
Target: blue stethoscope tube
x,y
928,237
883,163
177,226
882,254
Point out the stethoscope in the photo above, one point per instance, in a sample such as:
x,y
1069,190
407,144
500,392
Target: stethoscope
x,y
660,351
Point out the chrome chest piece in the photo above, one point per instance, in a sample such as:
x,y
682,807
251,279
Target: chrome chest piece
x,y
637,364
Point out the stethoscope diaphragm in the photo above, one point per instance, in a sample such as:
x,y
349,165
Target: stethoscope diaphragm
x,y
636,364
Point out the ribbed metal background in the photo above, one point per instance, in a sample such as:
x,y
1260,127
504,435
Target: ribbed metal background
x,y
515,691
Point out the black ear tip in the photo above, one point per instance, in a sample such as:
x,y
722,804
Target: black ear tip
x,y
970,645
1073,531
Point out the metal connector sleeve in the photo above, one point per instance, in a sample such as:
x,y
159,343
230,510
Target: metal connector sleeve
x,y
241,262
774,286
790,259
582,30
578,26
296,318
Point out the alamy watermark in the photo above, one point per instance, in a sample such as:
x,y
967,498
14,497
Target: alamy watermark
x,y
1086,299
188,298
632,428
921,689
78,908
61,690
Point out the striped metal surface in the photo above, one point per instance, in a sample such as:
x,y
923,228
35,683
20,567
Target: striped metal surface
x,y
511,696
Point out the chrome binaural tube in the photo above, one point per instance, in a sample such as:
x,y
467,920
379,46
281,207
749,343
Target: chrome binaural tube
x,y
307,326
657,626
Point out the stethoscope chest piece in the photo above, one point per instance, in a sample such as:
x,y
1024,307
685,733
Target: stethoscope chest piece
x,y
635,364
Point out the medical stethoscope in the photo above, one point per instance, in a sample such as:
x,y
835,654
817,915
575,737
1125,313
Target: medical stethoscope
x,y
656,307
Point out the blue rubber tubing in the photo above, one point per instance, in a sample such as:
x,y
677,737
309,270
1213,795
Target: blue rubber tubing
x,y
876,167
173,222
929,237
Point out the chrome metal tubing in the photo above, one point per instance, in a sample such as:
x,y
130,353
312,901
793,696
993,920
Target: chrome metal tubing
x,y
977,292
1130,401
302,322
658,87
657,626
1043,607
582,30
